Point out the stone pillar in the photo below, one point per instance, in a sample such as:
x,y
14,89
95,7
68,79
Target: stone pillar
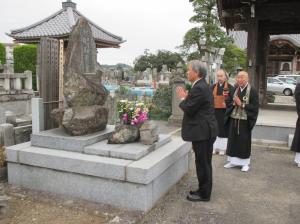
x,y
28,80
37,115
177,113
2,115
111,105
17,84
37,78
7,135
7,84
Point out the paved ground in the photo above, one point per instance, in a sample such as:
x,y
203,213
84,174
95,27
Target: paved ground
x,y
269,193
278,117
289,100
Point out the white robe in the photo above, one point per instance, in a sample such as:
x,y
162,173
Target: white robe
x,y
220,144
238,162
297,158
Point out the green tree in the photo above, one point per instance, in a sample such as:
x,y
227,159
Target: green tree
x,y
208,29
160,108
25,58
234,57
162,57
2,54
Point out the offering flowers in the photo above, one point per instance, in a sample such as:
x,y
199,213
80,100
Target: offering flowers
x,y
132,113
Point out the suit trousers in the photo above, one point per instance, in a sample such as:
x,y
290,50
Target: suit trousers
x,y
203,160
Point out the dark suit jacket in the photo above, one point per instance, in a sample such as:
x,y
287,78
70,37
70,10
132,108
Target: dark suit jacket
x,y
199,122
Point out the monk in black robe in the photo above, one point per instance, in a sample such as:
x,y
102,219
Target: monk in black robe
x,y
241,116
221,90
296,141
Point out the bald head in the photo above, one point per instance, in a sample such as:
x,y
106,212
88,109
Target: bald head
x,y
242,78
221,76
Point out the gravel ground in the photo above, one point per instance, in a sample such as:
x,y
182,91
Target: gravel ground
x,y
268,194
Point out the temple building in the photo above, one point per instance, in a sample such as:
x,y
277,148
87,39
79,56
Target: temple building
x,y
263,21
284,52
59,26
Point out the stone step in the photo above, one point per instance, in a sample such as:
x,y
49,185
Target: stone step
x,y
67,161
123,183
155,163
270,144
291,137
132,151
58,139
279,148
142,171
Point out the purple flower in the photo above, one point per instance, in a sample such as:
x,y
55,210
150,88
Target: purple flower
x,y
125,117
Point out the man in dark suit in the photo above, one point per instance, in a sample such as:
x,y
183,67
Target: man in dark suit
x,y
199,126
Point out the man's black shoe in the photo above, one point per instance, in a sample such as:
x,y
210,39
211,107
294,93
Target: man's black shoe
x,y
195,192
196,198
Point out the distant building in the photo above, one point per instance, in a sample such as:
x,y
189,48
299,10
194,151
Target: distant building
x,y
284,52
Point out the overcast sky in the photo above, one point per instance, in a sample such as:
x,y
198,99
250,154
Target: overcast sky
x,y
151,24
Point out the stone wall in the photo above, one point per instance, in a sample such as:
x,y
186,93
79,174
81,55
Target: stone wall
x,y
10,135
17,107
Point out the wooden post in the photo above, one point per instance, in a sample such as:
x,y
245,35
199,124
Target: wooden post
x,y
61,73
252,50
48,62
262,61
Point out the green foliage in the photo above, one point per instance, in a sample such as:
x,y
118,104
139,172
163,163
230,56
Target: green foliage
x,y
162,57
124,92
25,58
2,54
188,86
208,29
234,57
161,106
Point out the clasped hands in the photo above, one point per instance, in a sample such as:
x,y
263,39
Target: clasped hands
x,y
181,93
237,101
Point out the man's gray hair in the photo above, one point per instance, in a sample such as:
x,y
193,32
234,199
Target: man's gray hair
x,y
198,67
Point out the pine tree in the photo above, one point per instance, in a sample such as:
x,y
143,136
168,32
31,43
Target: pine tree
x,y
208,29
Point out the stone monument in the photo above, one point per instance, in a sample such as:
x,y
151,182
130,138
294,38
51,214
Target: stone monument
x,y
177,81
130,176
84,95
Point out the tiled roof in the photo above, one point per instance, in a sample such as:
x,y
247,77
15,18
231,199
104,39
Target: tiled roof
x,y
240,38
60,25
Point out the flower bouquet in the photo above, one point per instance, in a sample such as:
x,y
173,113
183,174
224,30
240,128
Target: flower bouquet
x,y
132,113
132,116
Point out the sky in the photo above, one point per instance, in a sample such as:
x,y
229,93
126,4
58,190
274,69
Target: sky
x,y
144,24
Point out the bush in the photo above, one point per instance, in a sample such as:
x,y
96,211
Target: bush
x,y
2,54
161,106
25,58
270,97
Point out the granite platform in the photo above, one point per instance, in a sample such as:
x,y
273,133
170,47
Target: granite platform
x,y
132,176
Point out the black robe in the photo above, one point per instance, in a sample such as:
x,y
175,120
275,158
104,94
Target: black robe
x,y
220,113
296,141
239,138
